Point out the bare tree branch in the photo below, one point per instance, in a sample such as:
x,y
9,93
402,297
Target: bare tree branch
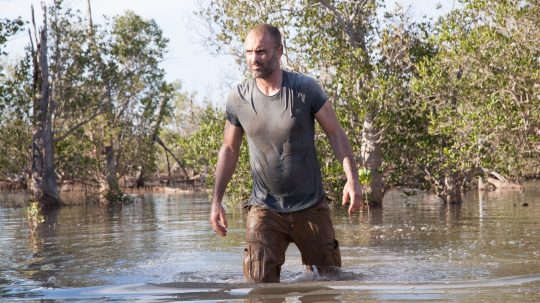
x,y
77,126
356,39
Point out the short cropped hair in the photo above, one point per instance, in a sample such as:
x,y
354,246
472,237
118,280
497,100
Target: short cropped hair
x,y
270,29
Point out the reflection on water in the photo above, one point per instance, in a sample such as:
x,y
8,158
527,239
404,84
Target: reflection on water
x,y
161,248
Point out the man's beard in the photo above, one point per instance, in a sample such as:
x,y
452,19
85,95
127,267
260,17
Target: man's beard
x,y
266,69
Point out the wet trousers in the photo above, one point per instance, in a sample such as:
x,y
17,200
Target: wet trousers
x,y
269,233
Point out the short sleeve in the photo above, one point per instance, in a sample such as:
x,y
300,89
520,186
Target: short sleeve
x,y
230,110
315,94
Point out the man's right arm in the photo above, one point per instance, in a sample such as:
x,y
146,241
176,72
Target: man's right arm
x,y
227,160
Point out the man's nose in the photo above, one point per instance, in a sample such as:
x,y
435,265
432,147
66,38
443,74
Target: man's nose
x,y
257,56
253,57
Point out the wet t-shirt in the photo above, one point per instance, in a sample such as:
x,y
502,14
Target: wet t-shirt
x,y
280,133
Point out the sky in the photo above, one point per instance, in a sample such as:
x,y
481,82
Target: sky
x,y
187,60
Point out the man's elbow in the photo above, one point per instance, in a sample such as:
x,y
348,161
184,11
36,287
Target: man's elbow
x,y
227,151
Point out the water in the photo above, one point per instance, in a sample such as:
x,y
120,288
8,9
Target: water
x,y
161,249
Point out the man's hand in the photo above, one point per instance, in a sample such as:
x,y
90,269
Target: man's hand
x,y
352,194
218,220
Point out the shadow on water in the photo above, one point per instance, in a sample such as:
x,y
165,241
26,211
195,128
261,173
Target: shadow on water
x,y
161,249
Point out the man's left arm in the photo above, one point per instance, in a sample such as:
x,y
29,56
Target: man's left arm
x,y
352,192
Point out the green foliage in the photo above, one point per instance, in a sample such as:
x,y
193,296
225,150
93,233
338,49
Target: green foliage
x,y
134,95
116,91
364,175
8,28
14,131
75,159
8,85
107,89
478,93
14,151
200,149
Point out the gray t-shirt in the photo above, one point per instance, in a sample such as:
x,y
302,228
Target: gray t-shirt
x,y
280,132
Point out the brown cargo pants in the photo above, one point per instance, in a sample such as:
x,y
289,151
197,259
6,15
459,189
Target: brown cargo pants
x,y
268,234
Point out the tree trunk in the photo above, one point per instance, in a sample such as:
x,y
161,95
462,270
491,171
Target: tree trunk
x,y
168,169
35,179
109,190
372,160
43,185
453,190
139,183
167,150
153,136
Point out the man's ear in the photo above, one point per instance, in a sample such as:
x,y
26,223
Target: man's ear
x,y
280,50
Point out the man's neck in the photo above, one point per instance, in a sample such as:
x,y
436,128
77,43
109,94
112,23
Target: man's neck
x,y
271,84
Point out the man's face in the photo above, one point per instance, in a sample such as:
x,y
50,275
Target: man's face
x,y
262,54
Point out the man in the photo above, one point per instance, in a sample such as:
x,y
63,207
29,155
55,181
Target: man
x,y
277,110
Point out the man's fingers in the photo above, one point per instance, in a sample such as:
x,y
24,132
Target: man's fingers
x,y
354,207
218,220
345,198
351,209
223,221
218,228
353,204
355,201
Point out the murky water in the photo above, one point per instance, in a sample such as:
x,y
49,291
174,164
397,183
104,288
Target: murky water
x,y
161,249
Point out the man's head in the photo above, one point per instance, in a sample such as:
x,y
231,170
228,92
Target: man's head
x,y
263,50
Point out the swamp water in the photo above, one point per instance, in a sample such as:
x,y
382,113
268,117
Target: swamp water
x,y
161,249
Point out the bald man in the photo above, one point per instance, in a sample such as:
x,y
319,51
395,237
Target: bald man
x,y
276,110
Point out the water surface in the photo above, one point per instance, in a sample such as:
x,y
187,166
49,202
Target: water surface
x,y
161,249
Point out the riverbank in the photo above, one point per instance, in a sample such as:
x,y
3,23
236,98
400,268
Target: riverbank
x,y
80,195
